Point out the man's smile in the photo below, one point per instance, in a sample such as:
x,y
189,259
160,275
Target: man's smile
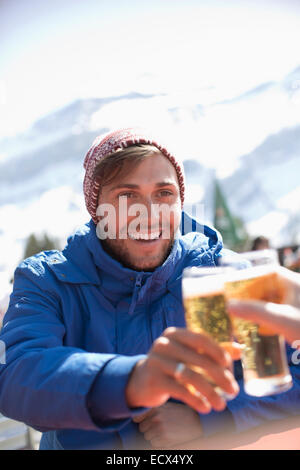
x,y
140,236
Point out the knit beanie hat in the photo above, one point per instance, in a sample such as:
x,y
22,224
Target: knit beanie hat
x,y
110,143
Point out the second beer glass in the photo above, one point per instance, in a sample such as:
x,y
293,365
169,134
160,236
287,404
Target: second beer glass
x,y
264,359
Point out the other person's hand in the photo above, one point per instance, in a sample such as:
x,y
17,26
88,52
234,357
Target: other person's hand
x,y
281,318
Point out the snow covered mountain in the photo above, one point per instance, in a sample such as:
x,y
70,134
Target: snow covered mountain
x,y
253,138
265,189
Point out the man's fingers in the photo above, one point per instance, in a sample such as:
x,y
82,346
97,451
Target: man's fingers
x,y
142,417
207,389
180,392
222,378
157,441
173,351
151,433
201,343
146,425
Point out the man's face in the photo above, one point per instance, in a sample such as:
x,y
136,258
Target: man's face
x,y
151,184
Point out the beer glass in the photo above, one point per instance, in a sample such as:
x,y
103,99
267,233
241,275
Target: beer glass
x,y
264,359
205,311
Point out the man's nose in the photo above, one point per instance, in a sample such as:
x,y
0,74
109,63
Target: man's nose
x,y
152,211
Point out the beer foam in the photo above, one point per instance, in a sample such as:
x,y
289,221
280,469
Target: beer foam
x,y
252,272
206,285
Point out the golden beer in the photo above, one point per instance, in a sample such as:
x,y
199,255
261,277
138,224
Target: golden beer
x,y
264,359
205,309
207,314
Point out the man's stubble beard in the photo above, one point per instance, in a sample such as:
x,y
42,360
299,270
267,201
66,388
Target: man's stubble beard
x,y
117,249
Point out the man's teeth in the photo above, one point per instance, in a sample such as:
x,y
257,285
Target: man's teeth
x,y
145,236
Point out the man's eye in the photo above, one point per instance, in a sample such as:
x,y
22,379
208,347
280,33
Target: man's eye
x,y
165,193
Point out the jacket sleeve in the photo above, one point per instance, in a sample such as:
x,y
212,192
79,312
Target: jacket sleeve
x,y
46,384
245,411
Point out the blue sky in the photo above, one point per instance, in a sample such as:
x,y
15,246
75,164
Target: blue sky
x,y
54,51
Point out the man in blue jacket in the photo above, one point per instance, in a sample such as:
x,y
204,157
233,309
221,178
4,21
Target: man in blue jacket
x,y
97,356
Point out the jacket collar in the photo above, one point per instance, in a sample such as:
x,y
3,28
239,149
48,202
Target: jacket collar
x,y
75,264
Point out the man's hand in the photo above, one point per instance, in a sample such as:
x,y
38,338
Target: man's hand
x,y
169,425
153,380
281,319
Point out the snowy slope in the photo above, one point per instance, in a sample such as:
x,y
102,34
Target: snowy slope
x,y
252,137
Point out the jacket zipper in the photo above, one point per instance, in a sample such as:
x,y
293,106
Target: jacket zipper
x,y
138,282
138,285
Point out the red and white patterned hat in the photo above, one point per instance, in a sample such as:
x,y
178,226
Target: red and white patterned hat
x,y
110,143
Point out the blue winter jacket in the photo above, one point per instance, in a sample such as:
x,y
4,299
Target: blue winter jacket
x,y
77,323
